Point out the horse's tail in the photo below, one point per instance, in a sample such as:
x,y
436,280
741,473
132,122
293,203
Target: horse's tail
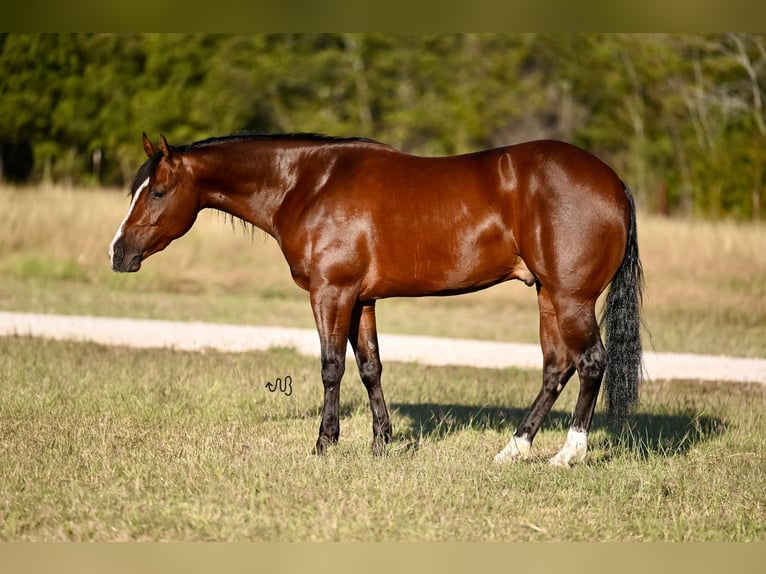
x,y
622,319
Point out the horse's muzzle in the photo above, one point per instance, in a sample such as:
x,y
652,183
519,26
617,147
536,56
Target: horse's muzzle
x,y
122,263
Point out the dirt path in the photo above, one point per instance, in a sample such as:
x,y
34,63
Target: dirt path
x,y
427,350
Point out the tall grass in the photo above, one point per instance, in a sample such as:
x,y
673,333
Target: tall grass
x,y
706,282
114,444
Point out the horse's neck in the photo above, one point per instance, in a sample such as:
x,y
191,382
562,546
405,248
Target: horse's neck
x,y
250,186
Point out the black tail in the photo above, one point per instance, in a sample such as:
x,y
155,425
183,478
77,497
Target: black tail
x,y
622,318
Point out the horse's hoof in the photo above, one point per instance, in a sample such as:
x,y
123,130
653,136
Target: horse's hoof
x,y
574,450
518,448
322,445
559,461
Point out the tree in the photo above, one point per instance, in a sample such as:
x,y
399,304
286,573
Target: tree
x,y
679,116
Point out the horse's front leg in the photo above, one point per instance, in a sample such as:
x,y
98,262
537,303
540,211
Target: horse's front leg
x,y
332,312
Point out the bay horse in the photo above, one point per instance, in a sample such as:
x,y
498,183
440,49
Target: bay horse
x,y
359,221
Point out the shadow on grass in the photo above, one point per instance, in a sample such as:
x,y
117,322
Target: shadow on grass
x,y
663,435
646,435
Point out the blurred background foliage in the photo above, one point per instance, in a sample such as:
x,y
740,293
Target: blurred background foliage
x,y
680,117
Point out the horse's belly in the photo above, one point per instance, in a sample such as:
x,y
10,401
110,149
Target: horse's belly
x,y
432,274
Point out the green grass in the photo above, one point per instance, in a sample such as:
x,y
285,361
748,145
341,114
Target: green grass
x,y
104,443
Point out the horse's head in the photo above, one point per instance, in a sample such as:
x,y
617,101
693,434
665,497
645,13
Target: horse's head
x,y
164,206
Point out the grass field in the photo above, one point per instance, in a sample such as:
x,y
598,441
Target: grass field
x,y
114,444
104,443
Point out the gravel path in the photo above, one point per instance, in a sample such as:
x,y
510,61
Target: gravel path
x,y
145,333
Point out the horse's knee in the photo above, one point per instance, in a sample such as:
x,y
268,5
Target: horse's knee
x,y
333,367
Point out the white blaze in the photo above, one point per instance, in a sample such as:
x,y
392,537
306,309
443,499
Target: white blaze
x,y
121,229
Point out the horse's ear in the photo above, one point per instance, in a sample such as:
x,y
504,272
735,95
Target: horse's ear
x,y
167,150
149,147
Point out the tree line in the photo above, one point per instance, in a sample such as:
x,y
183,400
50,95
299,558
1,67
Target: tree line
x,y
680,117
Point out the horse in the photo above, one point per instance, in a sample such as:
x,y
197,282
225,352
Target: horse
x,y
358,221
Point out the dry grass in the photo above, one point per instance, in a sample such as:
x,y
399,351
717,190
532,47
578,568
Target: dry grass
x,y
706,285
706,282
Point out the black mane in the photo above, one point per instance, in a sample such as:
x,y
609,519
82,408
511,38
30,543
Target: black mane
x,y
250,136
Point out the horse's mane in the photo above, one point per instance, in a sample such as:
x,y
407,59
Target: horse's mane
x,y
255,136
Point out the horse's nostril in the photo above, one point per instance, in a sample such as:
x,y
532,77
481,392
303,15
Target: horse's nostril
x,y
118,256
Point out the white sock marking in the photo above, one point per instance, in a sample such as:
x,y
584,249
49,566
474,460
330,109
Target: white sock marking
x,y
574,450
121,229
519,447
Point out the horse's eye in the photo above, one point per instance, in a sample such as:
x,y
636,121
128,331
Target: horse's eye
x,y
158,194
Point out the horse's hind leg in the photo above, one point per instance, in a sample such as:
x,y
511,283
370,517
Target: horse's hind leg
x,y
558,367
363,337
577,320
